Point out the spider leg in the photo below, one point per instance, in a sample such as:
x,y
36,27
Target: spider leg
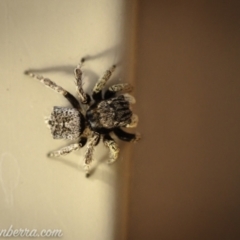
x,y
111,92
48,83
85,98
113,148
93,141
97,90
134,121
125,136
68,149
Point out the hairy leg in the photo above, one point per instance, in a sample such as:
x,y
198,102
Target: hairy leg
x,y
125,136
97,90
92,142
68,149
85,99
113,148
48,83
111,92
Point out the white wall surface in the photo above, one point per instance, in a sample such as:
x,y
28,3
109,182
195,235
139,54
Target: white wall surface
x,y
50,37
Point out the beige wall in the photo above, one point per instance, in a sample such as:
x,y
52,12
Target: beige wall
x,y
36,192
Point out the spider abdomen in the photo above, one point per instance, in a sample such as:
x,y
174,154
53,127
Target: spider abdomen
x,y
65,123
110,113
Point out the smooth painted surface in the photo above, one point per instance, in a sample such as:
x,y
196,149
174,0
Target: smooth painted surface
x,y
186,170
50,37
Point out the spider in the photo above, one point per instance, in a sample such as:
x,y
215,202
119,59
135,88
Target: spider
x,y
92,118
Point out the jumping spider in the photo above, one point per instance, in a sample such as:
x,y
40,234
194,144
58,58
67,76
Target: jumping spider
x,y
96,117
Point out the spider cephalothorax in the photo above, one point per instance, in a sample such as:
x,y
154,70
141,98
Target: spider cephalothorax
x,y
102,115
109,114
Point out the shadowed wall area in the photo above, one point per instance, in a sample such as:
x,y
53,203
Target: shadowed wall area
x,y
186,169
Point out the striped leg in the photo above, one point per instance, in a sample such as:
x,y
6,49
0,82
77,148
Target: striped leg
x,y
68,149
97,90
113,148
94,140
125,87
85,99
48,83
64,151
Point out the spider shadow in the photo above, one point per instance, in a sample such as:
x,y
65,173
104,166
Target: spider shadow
x,y
66,162
68,69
